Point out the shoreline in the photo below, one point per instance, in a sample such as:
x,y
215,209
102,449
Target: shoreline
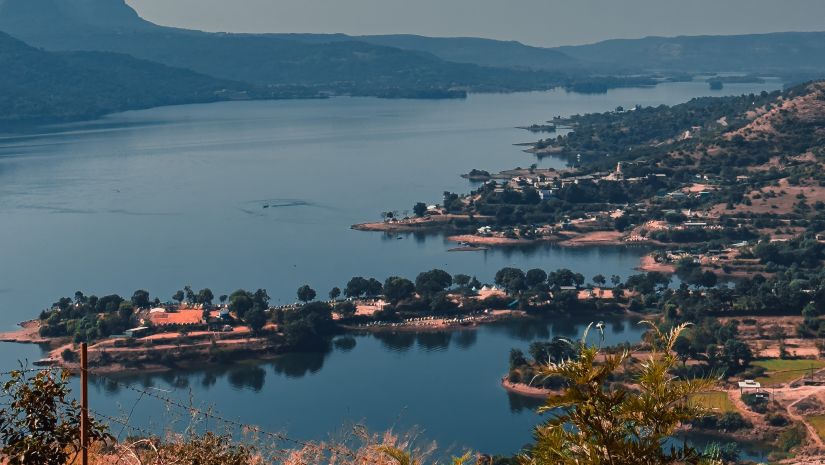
x,y
525,390
29,333
649,264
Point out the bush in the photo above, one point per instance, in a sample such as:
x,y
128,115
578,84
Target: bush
x,y
776,419
757,403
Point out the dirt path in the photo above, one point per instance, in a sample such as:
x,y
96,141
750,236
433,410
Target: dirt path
x,y
813,435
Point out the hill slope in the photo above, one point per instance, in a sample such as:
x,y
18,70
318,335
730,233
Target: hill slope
x,y
344,66
779,52
485,52
43,86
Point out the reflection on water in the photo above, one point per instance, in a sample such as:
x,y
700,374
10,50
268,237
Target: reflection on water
x,y
446,383
519,404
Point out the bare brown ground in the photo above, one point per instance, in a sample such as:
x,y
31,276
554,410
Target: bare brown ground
x,y
524,389
595,238
29,333
648,264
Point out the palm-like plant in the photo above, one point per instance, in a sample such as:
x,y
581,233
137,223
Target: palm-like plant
x,y
593,424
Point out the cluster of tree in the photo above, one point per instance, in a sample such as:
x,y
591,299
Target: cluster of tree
x,y
88,318
251,307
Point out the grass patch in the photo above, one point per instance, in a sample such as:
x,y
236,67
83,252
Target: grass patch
x,y
784,371
715,401
818,422
775,364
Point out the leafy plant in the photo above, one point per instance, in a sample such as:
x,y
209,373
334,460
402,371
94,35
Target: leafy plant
x,y
38,424
593,424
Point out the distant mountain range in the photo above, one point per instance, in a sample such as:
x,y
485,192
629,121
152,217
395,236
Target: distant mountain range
x,y
339,66
41,86
198,65
783,53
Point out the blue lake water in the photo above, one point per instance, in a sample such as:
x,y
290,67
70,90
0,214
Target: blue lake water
x,y
161,198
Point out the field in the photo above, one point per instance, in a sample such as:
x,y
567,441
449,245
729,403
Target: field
x,y
716,401
818,422
784,371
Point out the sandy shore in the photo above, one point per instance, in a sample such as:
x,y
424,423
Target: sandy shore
x,y
440,324
426,223
648,264
606,238
488,240
525,390
29,333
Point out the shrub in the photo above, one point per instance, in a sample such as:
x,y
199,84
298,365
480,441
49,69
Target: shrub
x,y
776,419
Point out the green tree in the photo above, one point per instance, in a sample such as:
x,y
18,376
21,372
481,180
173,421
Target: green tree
x,y
512,280
140,299
39,424
599,280
306,293
334,293
205,296
535,277
240,302
178,297
517,359
420,209
397,289
356,287
255,318
432,282
594,424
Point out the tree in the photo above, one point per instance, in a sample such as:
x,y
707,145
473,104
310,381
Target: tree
x,y
517,359
737,355
240,302
223,298
38,424
684,349
432,282
594,424
346,309
140,299
599,280
190,294
255,318
356,287
178,297
615,280
306,293
334,293
708,279
461,280
420,209
564,277
205,296
374,288
535,277
397,289
309,327
512,280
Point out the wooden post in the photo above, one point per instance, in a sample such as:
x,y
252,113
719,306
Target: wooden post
x,y
84,405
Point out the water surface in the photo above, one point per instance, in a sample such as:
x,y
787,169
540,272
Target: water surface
x,y
161,198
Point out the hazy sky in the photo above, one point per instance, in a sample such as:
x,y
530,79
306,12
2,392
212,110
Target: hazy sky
x,y
537,22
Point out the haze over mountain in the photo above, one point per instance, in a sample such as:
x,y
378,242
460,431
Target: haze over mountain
x,y
43,86
349,66
788,52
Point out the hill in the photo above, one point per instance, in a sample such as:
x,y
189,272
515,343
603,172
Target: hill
x,y
41,86
787,52
485,52
343,66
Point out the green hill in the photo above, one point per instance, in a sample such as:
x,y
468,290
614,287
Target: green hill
x,y
41,86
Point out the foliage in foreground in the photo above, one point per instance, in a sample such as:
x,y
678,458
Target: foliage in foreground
x,y
594,424
38,423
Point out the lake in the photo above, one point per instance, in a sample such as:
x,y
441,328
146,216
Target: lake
x,y
162,198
